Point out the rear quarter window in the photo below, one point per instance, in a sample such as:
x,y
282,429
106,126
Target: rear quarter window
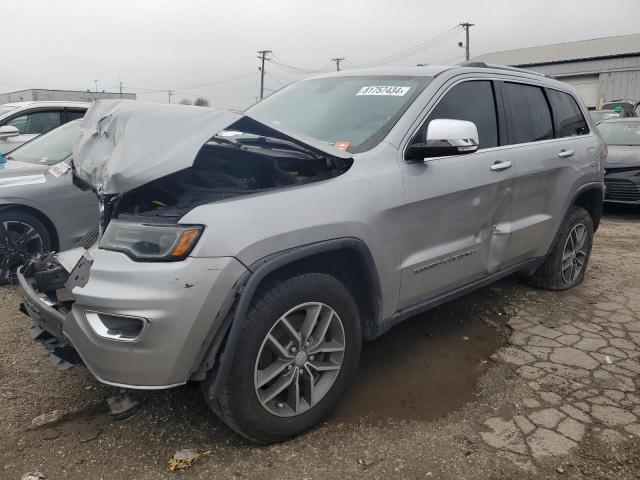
x,y
568,118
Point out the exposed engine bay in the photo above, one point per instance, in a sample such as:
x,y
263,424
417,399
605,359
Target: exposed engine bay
x,y
229,166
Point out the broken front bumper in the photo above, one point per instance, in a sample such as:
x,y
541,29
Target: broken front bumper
x,y
177,304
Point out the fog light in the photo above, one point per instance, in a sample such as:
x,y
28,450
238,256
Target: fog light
x,y
120,328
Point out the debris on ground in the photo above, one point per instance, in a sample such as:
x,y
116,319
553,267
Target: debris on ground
x,y
33,476
182,459
122,406
50,435
47,418
89,434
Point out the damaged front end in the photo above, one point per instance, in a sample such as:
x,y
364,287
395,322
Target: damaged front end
x,y
150,164
46,282
156,162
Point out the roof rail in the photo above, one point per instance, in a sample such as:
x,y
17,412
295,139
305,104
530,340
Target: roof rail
x,y
503,67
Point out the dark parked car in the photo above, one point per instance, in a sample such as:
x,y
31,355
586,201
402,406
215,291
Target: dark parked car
x,y
622,176
627,108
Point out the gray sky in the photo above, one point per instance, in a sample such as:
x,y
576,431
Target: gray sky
x,y
158,45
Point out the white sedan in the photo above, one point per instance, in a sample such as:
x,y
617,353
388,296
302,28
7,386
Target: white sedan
x,y
22,121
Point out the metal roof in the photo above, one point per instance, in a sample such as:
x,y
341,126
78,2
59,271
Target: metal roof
x,y
566,52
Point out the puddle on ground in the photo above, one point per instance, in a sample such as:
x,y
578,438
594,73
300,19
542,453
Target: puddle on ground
x,y
425,367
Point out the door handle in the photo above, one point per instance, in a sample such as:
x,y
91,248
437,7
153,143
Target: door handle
x,y
498,166
566,153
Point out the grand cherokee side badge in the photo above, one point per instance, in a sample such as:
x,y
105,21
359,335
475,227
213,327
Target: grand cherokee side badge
x,y
445,260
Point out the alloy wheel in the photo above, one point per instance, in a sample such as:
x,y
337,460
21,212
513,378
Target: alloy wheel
x,y
299,359
19,241
574,254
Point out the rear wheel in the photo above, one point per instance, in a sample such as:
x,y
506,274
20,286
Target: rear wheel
x,y
566,265
22,236
297,354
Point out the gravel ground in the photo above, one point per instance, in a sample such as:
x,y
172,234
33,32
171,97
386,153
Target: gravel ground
x,y
506,382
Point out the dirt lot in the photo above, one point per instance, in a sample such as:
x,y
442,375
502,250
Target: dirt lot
x,y
505,382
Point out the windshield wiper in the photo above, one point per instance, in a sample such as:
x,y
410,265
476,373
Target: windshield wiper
x,y
270,142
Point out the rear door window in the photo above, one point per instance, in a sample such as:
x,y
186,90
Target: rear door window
x,y
567,116
472,101
529,118
75,114
40,122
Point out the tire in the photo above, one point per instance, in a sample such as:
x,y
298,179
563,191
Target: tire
x,y
242,403
22,236
90,238
550,275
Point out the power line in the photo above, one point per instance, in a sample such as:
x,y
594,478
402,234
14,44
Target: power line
x,y
351,63
160,90
287,73
280,82
218,82
277,60
432,42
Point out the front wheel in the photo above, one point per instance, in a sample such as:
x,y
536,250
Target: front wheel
x,y
22,236
297,354
566,265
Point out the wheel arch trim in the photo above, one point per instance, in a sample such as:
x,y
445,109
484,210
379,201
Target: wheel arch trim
x,y
245,290
591,186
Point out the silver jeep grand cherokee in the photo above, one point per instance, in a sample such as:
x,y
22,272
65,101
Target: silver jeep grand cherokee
x,y
255,252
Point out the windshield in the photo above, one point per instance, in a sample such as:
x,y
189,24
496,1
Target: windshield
x,y
5,109
600,115
49,148
620,133
352,113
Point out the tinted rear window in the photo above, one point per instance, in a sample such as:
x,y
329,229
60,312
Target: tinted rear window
x,y
528,113
567,115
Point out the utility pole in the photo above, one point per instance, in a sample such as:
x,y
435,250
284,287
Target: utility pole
x,y
337,60
170,92
262,56
96,82
466,26
120,88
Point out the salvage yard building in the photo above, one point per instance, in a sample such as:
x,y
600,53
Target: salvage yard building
x,y
43,94
601,69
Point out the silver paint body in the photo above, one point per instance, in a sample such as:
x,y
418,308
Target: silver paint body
x,y
71,211
431,228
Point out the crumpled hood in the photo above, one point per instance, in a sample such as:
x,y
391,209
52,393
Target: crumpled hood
x,y
124,144
622,156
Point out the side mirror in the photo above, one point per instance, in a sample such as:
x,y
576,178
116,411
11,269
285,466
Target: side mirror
x,y
7,131
445,137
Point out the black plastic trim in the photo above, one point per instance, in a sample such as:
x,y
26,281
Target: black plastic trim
x,y
267,265
433,302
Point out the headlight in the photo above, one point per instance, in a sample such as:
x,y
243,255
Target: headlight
x,y
151,242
